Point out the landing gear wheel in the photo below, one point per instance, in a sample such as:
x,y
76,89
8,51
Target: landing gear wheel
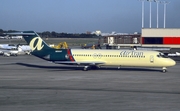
x,y
119,67
85,68
164,70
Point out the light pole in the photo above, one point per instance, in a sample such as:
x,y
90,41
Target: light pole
x,y
157,12
150,13
142,13
165,3
150,16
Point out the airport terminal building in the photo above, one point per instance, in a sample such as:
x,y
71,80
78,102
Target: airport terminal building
x,y
168,38
161,37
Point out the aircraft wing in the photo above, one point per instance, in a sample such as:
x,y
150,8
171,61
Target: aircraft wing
x,y
80,63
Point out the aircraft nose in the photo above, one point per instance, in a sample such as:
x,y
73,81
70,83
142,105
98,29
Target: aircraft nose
x,y
172,63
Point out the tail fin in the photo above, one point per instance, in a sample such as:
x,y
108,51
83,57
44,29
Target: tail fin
x,y
34,41
38,46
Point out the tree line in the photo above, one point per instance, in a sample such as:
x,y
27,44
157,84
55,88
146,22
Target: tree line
x,y
53,34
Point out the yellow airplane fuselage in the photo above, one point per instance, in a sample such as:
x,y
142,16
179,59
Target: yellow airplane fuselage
x,y
122,58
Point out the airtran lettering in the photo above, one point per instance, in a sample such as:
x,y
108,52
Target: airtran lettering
x,y
131,53
38,44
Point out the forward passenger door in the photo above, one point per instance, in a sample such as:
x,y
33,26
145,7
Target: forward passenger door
x,y
151,59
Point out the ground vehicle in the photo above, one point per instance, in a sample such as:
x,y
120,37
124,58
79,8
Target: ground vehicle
x,y
61,45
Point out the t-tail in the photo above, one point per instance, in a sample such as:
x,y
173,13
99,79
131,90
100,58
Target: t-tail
x,y
40,48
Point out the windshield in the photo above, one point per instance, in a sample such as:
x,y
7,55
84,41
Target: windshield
x,y
162,55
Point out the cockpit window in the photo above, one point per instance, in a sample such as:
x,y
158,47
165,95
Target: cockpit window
x,y
162,55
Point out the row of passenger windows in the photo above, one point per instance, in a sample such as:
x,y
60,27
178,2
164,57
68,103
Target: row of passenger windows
x,y
88,55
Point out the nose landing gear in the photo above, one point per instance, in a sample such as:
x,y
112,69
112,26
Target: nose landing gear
x,y
164,69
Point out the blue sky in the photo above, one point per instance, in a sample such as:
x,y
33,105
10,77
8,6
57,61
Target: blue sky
x,y
79,16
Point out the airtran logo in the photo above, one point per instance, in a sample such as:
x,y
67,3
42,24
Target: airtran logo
x,y
131,53
38,44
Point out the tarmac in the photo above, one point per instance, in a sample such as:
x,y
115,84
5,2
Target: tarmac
x,y
28,83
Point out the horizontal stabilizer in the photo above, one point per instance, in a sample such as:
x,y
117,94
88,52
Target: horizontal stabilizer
x,y
19,33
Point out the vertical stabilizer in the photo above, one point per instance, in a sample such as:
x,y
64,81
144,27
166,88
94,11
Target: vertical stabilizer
x,y
38,46
35,41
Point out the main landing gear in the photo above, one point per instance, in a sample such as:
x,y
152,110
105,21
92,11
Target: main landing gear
x,y
164,69
86,68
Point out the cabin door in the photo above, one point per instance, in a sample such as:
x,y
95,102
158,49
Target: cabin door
x,y
151,59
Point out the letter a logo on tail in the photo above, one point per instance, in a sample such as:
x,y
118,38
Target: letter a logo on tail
x,y
38,44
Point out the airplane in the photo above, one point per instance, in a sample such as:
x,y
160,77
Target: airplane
x,y
1,37
7,46
9,52
24,49
11,49
16,37
4,37
95,58
174,54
